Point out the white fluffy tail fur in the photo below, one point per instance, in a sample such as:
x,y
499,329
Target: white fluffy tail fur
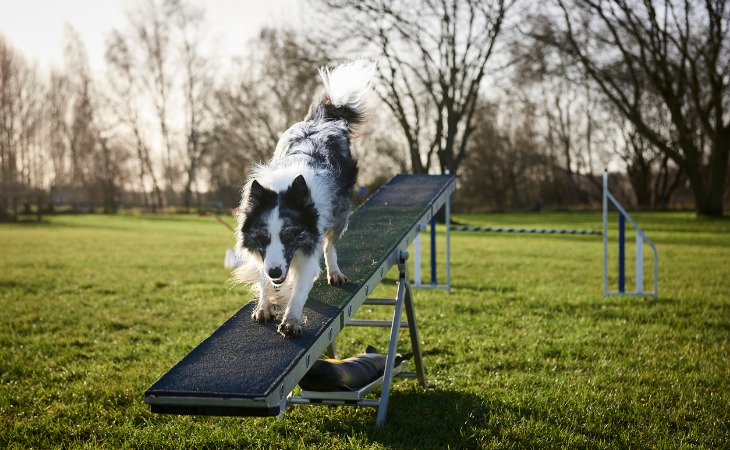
x,y
348,85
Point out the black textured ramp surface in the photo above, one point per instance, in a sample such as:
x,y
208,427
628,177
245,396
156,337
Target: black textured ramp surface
x,y
245,368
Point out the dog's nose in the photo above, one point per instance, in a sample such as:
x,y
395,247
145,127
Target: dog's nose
x,y
275,273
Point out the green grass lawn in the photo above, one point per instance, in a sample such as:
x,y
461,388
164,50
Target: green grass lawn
x,y
523,352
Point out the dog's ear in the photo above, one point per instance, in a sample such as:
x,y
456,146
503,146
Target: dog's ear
x,y
298,196
299,186
259,195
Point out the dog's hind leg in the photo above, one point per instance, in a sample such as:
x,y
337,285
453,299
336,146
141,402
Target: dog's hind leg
x,y
335,277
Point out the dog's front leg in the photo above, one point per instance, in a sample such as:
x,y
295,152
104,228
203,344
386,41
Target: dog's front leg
x,y
264,310
305,271
335,277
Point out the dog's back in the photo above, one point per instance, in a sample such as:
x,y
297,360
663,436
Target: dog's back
x,y
322,139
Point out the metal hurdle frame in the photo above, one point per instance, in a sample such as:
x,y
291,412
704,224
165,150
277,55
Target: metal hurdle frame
x,y
641,238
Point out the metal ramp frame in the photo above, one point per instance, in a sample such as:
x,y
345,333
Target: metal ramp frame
x,y
357,398
248,369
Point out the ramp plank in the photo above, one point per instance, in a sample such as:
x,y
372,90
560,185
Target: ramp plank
x,y
246,368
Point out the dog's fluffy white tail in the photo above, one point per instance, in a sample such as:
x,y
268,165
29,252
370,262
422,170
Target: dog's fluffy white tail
x,y
348,89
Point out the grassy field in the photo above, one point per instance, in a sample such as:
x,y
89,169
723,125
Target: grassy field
x,y
523,352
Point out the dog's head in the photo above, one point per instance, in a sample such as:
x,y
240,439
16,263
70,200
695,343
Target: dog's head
x,y
278,224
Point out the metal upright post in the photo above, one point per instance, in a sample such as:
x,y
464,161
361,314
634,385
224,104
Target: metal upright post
x,y
621,253
448,243
639,264
605,233
433,250
417,258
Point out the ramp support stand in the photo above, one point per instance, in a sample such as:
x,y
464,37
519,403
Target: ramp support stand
x,y
403,300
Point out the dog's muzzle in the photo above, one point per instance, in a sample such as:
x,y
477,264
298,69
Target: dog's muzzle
x,y
276,277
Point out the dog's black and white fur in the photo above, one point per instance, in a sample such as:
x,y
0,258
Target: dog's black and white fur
x,y
295,208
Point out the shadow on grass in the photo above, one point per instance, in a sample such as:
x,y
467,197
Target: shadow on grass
x,y
416,419
453,419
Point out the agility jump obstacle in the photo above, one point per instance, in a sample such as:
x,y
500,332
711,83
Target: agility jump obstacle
x,y
623,216
641,238
247,369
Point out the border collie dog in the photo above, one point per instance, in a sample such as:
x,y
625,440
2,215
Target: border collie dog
x,y
295,208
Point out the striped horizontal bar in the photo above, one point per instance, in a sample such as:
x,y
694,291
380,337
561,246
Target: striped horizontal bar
x,y
524,230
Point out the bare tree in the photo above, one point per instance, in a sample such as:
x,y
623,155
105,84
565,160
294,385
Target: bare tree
x,y
651,176
587,129
78,124
273,89
150,25
83,164
434,57
55,128
30,139
160,64
9,81
22,166
123,96
508,167
571,113
197,86
677,51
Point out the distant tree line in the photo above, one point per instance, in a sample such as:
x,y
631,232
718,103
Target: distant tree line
x,y
526,103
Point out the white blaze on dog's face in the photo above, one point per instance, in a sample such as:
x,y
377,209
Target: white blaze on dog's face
x,y
278,225
275,263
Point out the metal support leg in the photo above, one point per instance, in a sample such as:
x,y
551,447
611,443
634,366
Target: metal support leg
x,y
390,360
282,407
415,341
356,398
403,298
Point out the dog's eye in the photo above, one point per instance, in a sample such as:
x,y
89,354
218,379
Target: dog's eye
x,y
261,241
287,238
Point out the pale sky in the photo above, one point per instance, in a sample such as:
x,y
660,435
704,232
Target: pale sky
x,y
35,27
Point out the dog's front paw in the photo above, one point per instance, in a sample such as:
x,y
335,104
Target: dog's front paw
x,y
262,315
290,328
336,279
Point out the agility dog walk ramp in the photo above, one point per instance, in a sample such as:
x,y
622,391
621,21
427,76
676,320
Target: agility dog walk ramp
x,y
247,369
